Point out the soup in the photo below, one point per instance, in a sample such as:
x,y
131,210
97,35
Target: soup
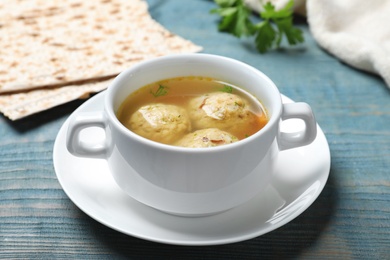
x,y
192,112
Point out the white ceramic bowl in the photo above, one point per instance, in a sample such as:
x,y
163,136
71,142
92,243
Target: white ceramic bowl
x,y
192,181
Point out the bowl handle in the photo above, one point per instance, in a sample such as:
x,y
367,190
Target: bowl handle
x,y
306,136
76,146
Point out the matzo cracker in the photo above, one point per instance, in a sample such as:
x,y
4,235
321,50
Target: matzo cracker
x,y
19,105
48,43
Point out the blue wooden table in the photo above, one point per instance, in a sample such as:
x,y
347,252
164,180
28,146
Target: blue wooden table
x,y
349,220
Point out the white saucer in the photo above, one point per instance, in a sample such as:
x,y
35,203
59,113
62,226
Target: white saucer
x,y
299,179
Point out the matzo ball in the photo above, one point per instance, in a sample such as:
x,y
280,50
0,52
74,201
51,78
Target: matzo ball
x,y
221,110
206,138
160,122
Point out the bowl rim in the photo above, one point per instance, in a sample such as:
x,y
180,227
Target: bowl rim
x,y
117,82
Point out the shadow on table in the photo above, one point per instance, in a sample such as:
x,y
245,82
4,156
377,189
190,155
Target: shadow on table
x,y
36,120
289,241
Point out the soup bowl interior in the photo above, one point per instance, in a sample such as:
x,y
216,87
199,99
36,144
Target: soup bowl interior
x,y
228,70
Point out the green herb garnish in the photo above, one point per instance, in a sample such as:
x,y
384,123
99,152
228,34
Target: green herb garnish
x,y
227,89
235,17
161,91
268,33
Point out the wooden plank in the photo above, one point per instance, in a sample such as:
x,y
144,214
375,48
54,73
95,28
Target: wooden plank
x,y
350,219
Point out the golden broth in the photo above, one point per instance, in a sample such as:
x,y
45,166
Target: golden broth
x,y
179,92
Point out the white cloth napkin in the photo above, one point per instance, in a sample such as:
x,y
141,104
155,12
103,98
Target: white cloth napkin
x,y
355,31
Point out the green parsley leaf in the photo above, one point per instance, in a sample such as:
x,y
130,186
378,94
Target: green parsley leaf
x,y
227,89
265,36
268,33
225,3
270,12
161,91
284,27
292,34
235,17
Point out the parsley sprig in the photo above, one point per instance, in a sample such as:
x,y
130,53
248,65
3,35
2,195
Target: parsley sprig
x,y
227,89
268,33
161,91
